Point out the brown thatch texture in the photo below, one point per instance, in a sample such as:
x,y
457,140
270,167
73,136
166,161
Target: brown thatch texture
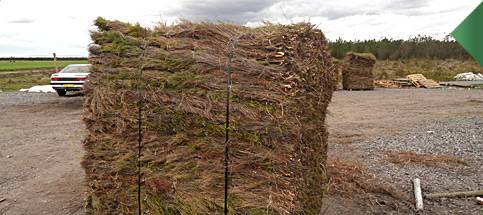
x,y
282,84
357,71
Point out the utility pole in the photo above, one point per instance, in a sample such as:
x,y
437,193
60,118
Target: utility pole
x,y
55,63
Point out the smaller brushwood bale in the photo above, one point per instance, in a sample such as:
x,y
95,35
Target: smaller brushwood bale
x,y
357,71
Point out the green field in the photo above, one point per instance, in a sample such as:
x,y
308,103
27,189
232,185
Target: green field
x,y
19,80
28,65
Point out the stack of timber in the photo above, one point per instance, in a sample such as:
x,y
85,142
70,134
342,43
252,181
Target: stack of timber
x,y
418,80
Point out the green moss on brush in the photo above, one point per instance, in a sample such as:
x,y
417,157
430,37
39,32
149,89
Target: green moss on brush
x,y
178,206
170,63
179,80
118,42
102,24
264,107
180,121
219,130
126,28
126,162
136,31
160,206
128,79
114,42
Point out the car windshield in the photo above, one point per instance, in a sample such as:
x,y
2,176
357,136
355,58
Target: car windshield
x,y
76,69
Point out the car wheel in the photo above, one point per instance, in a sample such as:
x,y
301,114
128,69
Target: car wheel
x,y
61,92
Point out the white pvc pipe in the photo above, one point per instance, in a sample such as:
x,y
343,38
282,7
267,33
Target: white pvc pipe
x,y
418,196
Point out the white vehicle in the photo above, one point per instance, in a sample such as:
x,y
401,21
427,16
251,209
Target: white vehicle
x,y
71,78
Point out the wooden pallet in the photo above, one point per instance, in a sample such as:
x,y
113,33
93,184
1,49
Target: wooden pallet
x,y
403,82
429,83
418,80
415,79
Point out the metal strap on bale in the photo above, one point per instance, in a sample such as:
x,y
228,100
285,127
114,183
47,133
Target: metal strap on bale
x,y
231,53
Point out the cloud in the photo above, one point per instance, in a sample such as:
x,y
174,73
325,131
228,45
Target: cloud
x,y
406,4
238,11
22,21
63,26
337,9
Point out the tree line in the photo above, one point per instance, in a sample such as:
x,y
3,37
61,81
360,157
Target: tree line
x,y
421,47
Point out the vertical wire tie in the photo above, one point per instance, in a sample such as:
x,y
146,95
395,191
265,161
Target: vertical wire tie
x,y
227,123
140,134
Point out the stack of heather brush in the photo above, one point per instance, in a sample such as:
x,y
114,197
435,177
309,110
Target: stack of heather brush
x,y
357,71
283,80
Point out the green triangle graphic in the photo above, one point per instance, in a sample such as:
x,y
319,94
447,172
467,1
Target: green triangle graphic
x,y
469,34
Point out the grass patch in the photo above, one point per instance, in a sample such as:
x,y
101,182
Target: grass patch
x,y
403,158
17,81
6,65
439,70
348,178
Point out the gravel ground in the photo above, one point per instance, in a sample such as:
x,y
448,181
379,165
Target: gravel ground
x,y
365,125
22,98
40,147
461,137
40,153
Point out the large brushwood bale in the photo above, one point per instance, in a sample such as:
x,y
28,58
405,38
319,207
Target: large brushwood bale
x,y
283,80
357,71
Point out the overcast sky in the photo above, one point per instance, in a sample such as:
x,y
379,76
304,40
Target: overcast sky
x,y
41,27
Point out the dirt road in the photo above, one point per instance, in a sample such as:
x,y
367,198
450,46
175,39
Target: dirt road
x,y
41,147
40,152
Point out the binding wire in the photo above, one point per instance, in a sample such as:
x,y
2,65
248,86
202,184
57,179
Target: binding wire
x,y
140,132
231,54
